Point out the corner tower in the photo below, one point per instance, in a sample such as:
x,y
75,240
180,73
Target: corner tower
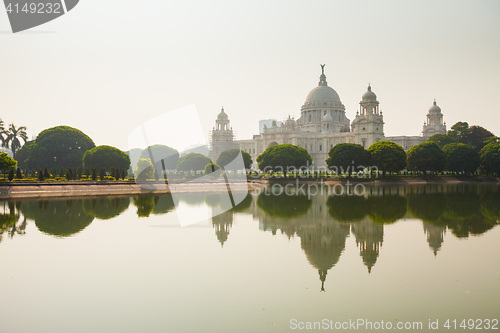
x,y
368,126
222,137
434,123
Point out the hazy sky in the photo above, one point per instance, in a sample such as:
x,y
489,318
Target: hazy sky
x,y
108,66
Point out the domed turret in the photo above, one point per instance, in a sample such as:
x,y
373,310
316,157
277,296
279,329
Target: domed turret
x,y
435,123
434,109
222,115
369,95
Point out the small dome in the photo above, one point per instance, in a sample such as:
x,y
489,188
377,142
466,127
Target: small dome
x,y
434,109
222,115
327,117
369,95
290,122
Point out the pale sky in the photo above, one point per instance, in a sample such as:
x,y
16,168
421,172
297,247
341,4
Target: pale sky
x,y
106,67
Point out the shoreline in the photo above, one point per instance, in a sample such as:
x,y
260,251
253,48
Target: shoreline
x,y
106,188
96,188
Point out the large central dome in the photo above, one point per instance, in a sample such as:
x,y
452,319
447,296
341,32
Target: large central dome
x,y
323,94
323,111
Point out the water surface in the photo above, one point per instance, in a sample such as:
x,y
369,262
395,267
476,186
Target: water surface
x,y
123,264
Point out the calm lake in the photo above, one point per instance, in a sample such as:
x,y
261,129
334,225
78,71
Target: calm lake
x,y
397,255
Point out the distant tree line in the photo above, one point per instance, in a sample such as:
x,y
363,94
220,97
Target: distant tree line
x,y
64,152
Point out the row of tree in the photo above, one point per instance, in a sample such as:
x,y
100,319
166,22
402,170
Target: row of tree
x,y
67,148
463,150
386,156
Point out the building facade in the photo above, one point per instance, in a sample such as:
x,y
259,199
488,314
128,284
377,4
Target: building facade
x,y
322,124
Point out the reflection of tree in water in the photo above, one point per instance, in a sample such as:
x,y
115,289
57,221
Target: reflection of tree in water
x,y
465,209
283,206
148,204
57,217
348,208
244,205
463,214
387,208
164,203
490,207
105,208
9,220
369,238
145,204
427,207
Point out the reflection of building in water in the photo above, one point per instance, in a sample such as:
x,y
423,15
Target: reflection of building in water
x,y
322,238
323,243
222,224
369,238
435,236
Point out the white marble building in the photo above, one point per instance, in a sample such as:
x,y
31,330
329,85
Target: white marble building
x,y
322,124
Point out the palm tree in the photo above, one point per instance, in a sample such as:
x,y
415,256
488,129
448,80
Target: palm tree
x,y
12,139
2,131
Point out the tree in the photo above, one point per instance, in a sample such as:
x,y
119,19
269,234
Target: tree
x,y
7,163
102,174
19,174
94,174
229,156
69,174
13,136
106,157
40,175
490,158
387,156
144,170
59,147
425,157
461,158
23,153
441,139
213,169
162,157
284,158
475,136
458,130
46,173
348,158
193,162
